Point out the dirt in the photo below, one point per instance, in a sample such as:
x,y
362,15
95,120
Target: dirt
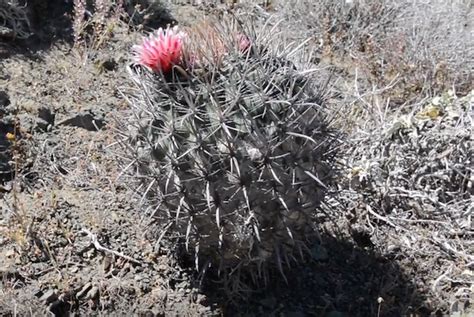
x,y
75,240
59,104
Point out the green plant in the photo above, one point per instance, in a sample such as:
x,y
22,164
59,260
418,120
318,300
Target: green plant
x,y
232,153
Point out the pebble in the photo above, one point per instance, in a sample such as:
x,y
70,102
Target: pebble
x,y
109,64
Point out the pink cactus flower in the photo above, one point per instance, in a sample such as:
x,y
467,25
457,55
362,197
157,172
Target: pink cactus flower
x,y
160,50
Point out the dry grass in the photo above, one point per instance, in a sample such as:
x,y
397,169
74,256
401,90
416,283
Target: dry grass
x,y
94,24
409,187
425,47
403,96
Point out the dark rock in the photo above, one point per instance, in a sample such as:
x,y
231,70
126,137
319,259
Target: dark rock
x,y
47,115
109,64
60,308
87,120
42,125
37,292
4,99
45,120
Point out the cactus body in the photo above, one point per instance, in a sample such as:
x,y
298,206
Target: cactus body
x,y
234,157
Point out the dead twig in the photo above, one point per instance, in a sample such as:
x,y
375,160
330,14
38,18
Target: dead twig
x,y
380,217
99,247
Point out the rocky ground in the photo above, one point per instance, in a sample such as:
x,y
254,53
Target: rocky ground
x,y
75,240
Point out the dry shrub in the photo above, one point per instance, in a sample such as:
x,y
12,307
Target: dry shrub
x,y
95,22
408,156
409,190
425,47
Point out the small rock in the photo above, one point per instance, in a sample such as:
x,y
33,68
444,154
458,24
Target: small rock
x,y
42,125
60,308
4,99
37,292
87,120
49,297
109,64
46,115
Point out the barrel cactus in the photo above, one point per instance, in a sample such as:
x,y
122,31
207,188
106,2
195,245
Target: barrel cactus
x,y
231,150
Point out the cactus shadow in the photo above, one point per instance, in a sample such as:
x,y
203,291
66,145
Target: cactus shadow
x,y
342,279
